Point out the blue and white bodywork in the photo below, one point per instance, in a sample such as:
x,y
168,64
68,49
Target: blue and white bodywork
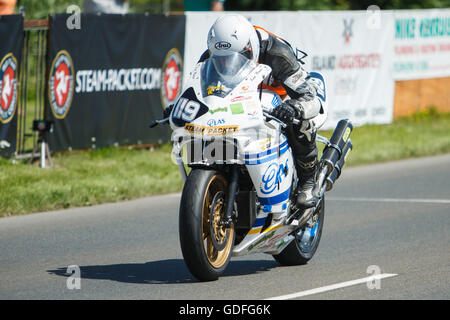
x,y
212,110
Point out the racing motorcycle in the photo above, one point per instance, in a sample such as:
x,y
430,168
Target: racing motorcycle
x,y
238,197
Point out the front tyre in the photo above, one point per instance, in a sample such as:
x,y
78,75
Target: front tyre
x,y
206,245
306,241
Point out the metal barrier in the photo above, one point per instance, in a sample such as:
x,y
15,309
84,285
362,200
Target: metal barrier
x,y
32,79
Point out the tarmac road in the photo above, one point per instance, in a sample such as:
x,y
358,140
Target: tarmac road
x,y
390,219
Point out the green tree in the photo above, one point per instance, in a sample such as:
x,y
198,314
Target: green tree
x,y
332,4
40,9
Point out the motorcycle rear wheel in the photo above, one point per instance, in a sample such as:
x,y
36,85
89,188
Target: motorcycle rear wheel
x,y
206,244
305,244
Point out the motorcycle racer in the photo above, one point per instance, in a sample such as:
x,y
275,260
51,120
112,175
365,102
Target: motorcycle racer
x,y
304,92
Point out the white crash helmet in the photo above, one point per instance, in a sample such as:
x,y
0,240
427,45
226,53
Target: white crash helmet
x,y
233,33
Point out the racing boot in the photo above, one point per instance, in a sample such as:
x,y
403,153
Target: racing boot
x,y
304,192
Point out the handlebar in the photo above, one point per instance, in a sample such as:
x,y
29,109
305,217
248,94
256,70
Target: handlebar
x,y
284,125
154,123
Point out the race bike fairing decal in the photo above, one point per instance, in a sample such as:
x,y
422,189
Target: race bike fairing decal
x,y
187,109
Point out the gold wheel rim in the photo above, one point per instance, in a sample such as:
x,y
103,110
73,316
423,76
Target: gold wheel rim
x,y
216,258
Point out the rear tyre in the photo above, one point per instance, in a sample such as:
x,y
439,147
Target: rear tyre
x,y
306,242
206,245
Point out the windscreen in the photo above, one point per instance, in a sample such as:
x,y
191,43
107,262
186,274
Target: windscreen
x,y
221,74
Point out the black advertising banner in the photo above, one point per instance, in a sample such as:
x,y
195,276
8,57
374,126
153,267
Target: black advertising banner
x,y
11,41
110,76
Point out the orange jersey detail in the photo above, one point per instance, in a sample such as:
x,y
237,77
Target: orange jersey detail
x,y
278,90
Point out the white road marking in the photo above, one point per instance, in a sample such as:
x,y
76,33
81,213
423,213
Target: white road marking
x,y
442,201
333,287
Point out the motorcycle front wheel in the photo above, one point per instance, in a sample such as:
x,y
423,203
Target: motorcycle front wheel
x,y
306,241
206,244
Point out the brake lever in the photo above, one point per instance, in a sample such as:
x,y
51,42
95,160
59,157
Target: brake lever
x,y
267,115
154,123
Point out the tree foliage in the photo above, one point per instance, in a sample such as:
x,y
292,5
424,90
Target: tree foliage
x,y
38,9
261,5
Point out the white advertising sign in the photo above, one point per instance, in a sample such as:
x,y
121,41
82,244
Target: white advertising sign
x,y
421,44
352,50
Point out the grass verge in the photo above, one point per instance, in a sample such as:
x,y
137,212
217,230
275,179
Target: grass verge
x,y
110,174
425,133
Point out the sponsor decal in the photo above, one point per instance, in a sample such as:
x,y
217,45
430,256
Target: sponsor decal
x,y
340,114
276,101
224,109
222,130
360,61
253,114
265,144
345,85
194,129
241,98
214,122
105,80
222,45
237,108
210,131
324,62
429,27
272,242
265,238
347,61
187,108
252,106
281,243
346,134
171,77
360,113
61,84
296,79
411,66
213,89
8,88
273,176
348,33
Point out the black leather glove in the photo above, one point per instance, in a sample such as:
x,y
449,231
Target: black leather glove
x,y
285,112
167,111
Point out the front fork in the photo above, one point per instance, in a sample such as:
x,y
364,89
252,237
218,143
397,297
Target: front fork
x,y
232,186
176,152
231,195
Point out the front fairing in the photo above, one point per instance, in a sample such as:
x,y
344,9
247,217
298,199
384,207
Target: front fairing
x,y
203,111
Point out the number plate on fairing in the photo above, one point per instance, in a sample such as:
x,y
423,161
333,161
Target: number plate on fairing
x,y
187,109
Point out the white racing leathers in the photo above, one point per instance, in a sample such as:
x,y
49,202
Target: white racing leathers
x,y
312,100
